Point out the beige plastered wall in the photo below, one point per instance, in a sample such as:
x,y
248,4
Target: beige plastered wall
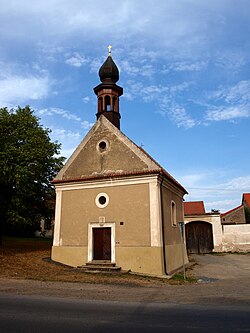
x,y
175,250
128,210
127,203
236,238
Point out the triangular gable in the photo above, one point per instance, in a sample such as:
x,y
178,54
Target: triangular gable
x,y
121,158
121,155
232,211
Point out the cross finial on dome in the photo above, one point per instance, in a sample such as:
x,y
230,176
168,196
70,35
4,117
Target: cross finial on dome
x,y
109,48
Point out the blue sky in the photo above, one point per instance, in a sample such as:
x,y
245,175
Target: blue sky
x,y
184,66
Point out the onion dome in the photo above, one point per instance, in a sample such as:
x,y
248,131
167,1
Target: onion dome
x,y
109,71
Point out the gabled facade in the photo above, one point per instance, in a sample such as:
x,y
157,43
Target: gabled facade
x,y
114,203
234,216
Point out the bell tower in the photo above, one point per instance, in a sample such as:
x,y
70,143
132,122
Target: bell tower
x,y
108,92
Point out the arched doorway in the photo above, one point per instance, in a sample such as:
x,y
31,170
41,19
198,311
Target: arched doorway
x,y
199,237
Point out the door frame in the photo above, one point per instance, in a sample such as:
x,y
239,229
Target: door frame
x,y
93,225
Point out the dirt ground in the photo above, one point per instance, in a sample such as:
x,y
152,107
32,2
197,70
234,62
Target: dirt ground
x,y
29,259
221,279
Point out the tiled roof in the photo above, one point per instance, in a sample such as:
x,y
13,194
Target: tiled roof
x,y
246,196
106,176
118,175
194,208
164,172
230,211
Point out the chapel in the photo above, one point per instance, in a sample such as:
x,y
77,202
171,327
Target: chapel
x,y
115,205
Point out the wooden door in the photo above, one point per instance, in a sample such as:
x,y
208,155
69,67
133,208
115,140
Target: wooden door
x,y
102,243
199,237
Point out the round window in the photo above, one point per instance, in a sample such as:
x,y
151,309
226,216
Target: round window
x,y
102,200
102,145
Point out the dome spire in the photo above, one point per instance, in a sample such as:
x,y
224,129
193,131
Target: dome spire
x,y
108,92
109,71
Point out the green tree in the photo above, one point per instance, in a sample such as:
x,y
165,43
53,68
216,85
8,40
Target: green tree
x,y
28,162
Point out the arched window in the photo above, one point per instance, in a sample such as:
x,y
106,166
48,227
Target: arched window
x,y
107,103
173,214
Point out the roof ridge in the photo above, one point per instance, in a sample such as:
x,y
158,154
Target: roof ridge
x,y
231,210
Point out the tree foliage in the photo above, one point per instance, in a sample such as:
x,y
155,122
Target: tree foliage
x,y
28,162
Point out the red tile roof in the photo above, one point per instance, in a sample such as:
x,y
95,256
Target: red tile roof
x,y
231,210
118,175
246,196
194,208
104,176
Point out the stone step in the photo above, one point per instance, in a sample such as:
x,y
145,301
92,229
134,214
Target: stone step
x,y
98,266
103,263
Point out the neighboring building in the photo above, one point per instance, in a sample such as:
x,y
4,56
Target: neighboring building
x,y
246,203
234,216
203,230
194,208
208,232
246,200
115,203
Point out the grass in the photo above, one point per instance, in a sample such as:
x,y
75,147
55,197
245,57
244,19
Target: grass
x,y
180,278
24,258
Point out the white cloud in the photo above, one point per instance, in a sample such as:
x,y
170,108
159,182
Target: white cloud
x,y
181,118
76,60
132,68
63,135
230,60
238,183
86,99
223,205
228,113
164,97
186,66
177,27
95,64
67,152
129,68
68,139
22,89
57,111
223,195
238,93
228,103
86,124
49,51
180,87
